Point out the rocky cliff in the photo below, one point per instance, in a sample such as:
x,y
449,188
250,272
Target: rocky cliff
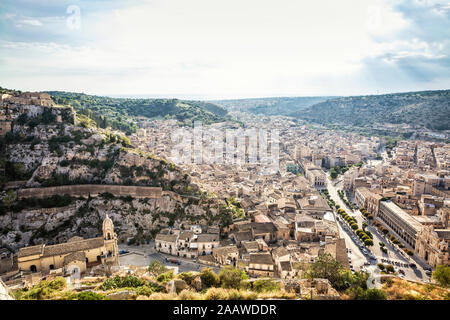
x,y
4,294
45,151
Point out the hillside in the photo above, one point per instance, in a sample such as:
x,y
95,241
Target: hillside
x,y
120,113
53,146
429,109
271,106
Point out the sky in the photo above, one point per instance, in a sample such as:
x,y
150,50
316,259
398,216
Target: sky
x,y
211,49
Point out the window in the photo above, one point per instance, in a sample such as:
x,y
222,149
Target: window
x,y
52,267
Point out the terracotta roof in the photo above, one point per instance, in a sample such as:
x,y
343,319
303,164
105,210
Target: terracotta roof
x,y
286,266
63,248
280,251
243,235
166,237
261,258
225,250
206,237
263,227
75,256
443,233
250,245
313,202
185,235
31,251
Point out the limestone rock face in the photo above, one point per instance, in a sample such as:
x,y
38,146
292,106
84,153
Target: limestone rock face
x,y
83,218
176,286
63,153
292,285
321,286
197,283
4,294
121,295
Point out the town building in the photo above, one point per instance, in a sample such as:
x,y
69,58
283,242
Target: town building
x,y
400,222
74,256
433,246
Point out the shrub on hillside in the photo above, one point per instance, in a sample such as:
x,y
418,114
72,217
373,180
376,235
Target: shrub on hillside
x,y
43,290
188,277
231,277
266,285
165,277
442,275
122,282
156,268
87,295
209,278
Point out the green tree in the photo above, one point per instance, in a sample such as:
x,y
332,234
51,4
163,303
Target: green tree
x,y
231,277
156,268
333,173
9,199
442,275
165,277
348,279
209,278
390,268
375,294
325,267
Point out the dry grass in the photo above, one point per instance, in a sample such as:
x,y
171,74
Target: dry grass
x,y
187,294
400,289
233,294
163,296
277,295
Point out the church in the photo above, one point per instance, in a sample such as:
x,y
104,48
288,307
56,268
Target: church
x,y
73,256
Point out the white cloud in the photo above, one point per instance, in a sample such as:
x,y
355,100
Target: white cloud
x,y
382,20
218,48
29,22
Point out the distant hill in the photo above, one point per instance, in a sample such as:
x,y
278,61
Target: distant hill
x,y
271,106
119,113
430,109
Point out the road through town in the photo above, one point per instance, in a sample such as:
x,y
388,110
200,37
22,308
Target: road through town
x,y
395,257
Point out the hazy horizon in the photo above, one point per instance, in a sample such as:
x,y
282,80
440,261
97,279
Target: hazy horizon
x,y
208,98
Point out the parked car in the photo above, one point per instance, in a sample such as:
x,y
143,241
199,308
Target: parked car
x,y
176,261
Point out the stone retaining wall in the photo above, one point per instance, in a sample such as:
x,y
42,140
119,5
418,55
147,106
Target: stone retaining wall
x,y
84,190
